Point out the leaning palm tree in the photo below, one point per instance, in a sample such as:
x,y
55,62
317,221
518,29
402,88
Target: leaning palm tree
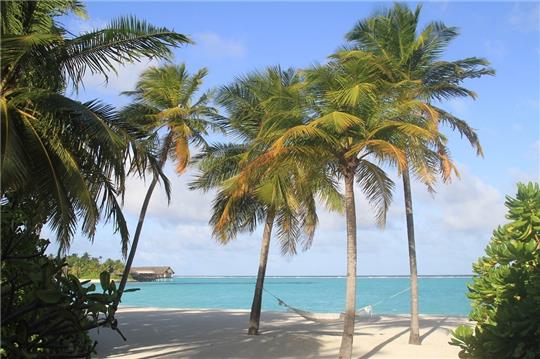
x,y
252,190
165,105
66,155
350,132
412,57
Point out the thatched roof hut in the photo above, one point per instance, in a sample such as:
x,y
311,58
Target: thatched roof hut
x,y
150,273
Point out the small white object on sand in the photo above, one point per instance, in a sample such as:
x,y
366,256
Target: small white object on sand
x,y
213,333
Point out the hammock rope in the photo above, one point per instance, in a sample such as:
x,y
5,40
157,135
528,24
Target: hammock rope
x,y
362,313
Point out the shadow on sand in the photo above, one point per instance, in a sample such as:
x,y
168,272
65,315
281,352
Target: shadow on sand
x,y
207,334
176,333
433,324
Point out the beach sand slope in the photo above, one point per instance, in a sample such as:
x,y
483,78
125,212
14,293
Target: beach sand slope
x,y
211,333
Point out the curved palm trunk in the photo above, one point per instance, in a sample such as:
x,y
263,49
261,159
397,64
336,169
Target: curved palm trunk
x,y
136,237
138,230
345,351
255,315
414,337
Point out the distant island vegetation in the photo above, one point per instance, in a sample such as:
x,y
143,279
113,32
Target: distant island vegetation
x,y
89,267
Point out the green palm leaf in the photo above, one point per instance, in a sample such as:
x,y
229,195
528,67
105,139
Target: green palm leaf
x,y
123,40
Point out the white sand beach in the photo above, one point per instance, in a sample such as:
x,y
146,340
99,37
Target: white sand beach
x,y
211,333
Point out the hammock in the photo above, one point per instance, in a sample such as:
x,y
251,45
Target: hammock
x,y
361,314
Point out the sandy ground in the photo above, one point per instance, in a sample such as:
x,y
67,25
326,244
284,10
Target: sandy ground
x,y
209,333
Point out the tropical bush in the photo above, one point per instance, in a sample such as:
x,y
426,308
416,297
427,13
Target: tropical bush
x,y
506,292
63,162
89,267
46,311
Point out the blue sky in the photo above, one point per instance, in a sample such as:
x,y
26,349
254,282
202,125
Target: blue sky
x,y
452,227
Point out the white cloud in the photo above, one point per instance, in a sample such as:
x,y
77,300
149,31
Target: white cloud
x,y
470,205
124,79
77,25
365,219
186,206
452,229
216,47
525,17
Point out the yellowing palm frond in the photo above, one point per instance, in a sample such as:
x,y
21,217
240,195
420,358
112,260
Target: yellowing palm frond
x,y
337,121
182,154
382,149
352,96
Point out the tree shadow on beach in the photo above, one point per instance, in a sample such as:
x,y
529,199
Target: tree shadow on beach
x,y
434,324
175,333
206,334
376,349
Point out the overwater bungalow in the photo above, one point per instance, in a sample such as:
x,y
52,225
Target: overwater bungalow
x,y
145,274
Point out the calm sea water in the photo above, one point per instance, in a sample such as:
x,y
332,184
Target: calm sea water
x,y
438,295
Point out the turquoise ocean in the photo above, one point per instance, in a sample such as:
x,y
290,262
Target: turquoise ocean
x,y
438,295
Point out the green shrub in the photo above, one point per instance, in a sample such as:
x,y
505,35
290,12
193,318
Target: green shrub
x,y
89,267
45,311
506,292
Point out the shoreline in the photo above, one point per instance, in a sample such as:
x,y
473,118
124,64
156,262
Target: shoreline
x,y
222,333
399,276
244,310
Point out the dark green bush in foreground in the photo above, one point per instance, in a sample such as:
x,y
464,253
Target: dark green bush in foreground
x,y
506,294
45,311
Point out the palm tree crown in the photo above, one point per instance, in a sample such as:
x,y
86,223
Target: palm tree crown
x,y
248,186
410,60
69,156
412,57
164,99
352,127
253,187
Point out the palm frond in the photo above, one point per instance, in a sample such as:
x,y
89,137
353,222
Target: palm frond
x,y
377,187
463,128
123,40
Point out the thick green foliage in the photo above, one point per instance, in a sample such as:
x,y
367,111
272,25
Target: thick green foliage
x,y
506,294
88,267
45,311
71,156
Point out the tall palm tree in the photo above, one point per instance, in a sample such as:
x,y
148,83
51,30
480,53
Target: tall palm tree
x,y
252,190
350,132
413,56
166,105
67,155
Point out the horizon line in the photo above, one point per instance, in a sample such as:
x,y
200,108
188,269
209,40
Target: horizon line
x,y
320,275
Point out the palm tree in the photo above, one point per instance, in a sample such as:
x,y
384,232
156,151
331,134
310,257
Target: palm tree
x,y
252,190
66,155
165,105
350,132
412,57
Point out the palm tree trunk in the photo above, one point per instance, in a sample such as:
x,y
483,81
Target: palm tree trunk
x,y
136,237
255,315
138,230
414,337
345,351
